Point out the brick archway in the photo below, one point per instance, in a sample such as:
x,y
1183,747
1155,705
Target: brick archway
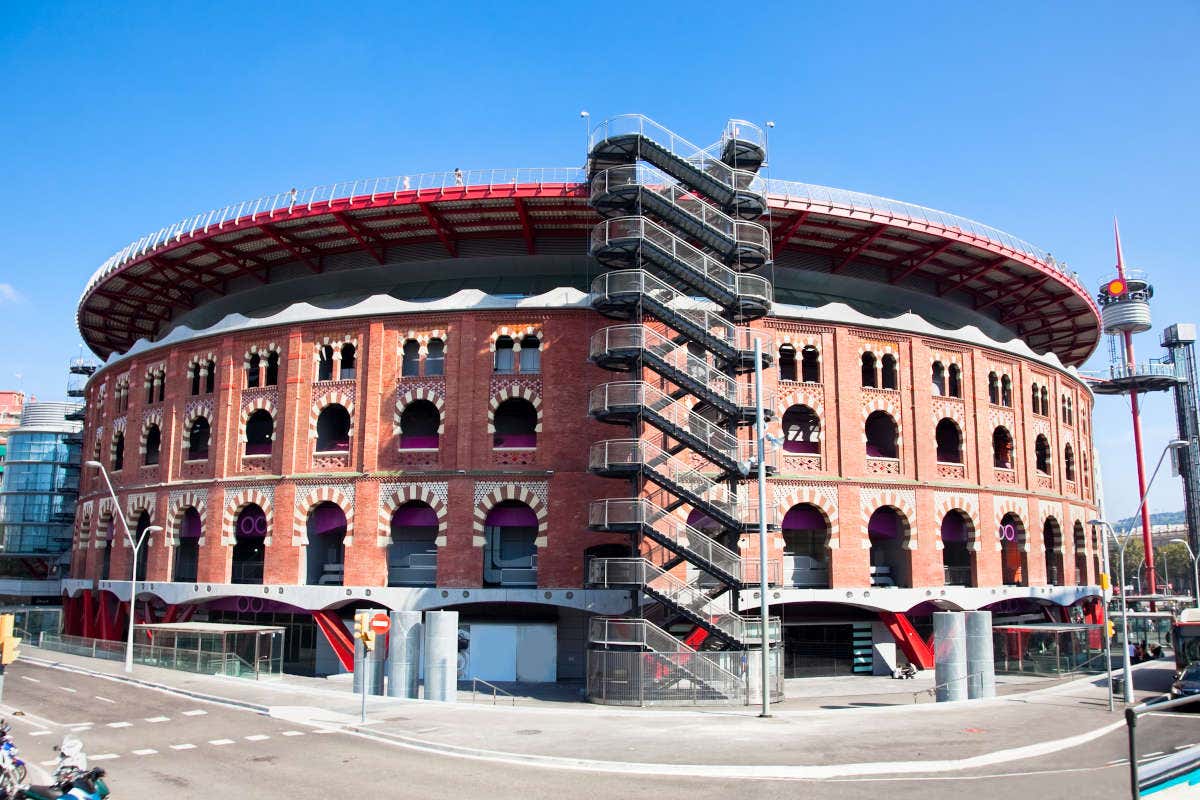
x,y
510,491
509,393
422,393
316,496
406,494
234,505
323,401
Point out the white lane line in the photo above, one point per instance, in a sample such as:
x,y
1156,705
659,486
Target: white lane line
x,y
48,763
1152,755
104,699
183,747
219,742
1184,746
120,724
324,730
104,757
31,680
195,712
146,752
79,727
285,733
69,689
258,737
40,733
158,719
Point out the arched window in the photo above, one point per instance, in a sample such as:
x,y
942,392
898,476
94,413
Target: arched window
x,y
118,451
1014,561
888,532
325,364
805,547
1033,395
890,375
333,429
109,525
249,545
194,377
410,364
868,370
435,358
412,553
787,363
1064,408
531,355
949,442
810,364
1080,547
210,376
153,445
259,430
1069,462
939,379
882,436
955,380
956,553
1002,448
419,423
1006,391
1052,542
510,545
149,389
801,430
504,355
1041,447
347,372
143,522
1085,467
1045,402
161,381
1070,411
198,438
252,370
187,552
515,422
993,388
326,552
272,378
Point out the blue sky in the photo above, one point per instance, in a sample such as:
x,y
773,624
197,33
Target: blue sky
x,y
1043,119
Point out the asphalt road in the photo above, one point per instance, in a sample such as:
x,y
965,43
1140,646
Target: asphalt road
x,y
156,744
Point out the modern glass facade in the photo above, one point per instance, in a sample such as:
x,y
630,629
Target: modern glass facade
x,y
40,483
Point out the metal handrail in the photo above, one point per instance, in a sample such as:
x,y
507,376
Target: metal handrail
x,y
639,511
646,395
932,690
495,691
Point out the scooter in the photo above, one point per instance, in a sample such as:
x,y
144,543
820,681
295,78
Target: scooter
x,y
72,778
12,762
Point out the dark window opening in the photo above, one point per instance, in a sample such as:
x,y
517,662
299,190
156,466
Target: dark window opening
x,y
801,430
1006,391
504,355
787,363
412,553
1069,462
259,430
993,388
410,364
198,438
1042,452
1002,448
510,545
153,444
515,422
326,555
868,370
882,436
272,377
955,381
333,429
949,442
891,376
252,371
118,451
435,358
249,545
419,423
890,560
810,365
806,552
194,375
531,355
1053,543
956,553
939,379
325,364
210,376
349,363
187,552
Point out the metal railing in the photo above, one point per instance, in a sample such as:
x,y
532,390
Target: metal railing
x,y
638,511
640,678
642,395
496,691
227,664
956,575
707,268
975,678
658,182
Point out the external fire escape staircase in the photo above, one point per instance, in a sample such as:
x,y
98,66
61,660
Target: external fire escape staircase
x,y
679,237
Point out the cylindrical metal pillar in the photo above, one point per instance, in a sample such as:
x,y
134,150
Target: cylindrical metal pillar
x,y
981,663
949,656
404,654
374,666
441,656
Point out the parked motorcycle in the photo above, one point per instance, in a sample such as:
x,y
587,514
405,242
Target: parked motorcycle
x,y
72,777
10,761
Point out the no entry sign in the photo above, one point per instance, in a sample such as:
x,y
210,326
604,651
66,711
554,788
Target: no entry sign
x,y
380,624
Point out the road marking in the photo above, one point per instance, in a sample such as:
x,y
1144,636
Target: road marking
x,y
1184,746
183,747
158,719
31,680
258,737
219,742
194,713
69,689
285,733
324,730
1152,755
48,763
146,752
104,757
79,727
40,733
120,724
105,699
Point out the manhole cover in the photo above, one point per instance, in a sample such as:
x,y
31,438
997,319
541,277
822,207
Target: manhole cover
x,y
528,732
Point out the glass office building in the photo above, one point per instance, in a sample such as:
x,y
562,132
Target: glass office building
x,y
41,482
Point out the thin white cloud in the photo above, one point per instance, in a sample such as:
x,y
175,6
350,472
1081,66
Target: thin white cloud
x,y
9,294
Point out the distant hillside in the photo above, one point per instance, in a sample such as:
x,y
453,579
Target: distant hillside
x,y
1161,518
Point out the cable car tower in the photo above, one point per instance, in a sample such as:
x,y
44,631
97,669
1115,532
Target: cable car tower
x,y
1124,301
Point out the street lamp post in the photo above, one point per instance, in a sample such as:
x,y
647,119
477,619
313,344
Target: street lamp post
x,y
760,432
135,546
1195,569
1174,444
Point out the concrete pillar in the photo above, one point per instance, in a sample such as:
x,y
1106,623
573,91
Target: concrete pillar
x,y
950,656
981,662
404,654
441,656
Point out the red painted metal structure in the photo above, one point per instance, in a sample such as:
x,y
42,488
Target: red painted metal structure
x,y
1147,542
338,637
137,296
918,651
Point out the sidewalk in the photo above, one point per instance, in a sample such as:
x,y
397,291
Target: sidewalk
x,y
819,733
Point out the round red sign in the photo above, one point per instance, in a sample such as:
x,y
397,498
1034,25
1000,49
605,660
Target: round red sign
x,y
380,623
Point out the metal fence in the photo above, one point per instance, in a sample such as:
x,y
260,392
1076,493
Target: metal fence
x,y
639,678
201,663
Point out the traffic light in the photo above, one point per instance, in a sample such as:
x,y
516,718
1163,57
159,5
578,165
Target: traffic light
x,y
1112,629
362,629
8,642
1105,583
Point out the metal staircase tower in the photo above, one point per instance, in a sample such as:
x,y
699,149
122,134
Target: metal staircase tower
x,y
679,237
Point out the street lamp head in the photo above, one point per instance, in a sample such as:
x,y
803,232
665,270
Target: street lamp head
x,y
93,464
770,124
584,114
153,529
1096,522
1177,444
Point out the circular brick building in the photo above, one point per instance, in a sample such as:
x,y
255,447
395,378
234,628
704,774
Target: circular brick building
x,y
507,393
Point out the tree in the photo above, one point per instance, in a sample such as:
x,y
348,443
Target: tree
x,y
1178,565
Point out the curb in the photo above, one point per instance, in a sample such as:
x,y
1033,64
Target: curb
x,y
162,687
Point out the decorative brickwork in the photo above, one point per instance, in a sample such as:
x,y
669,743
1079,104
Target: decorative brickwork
x,y
394,495
490,494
